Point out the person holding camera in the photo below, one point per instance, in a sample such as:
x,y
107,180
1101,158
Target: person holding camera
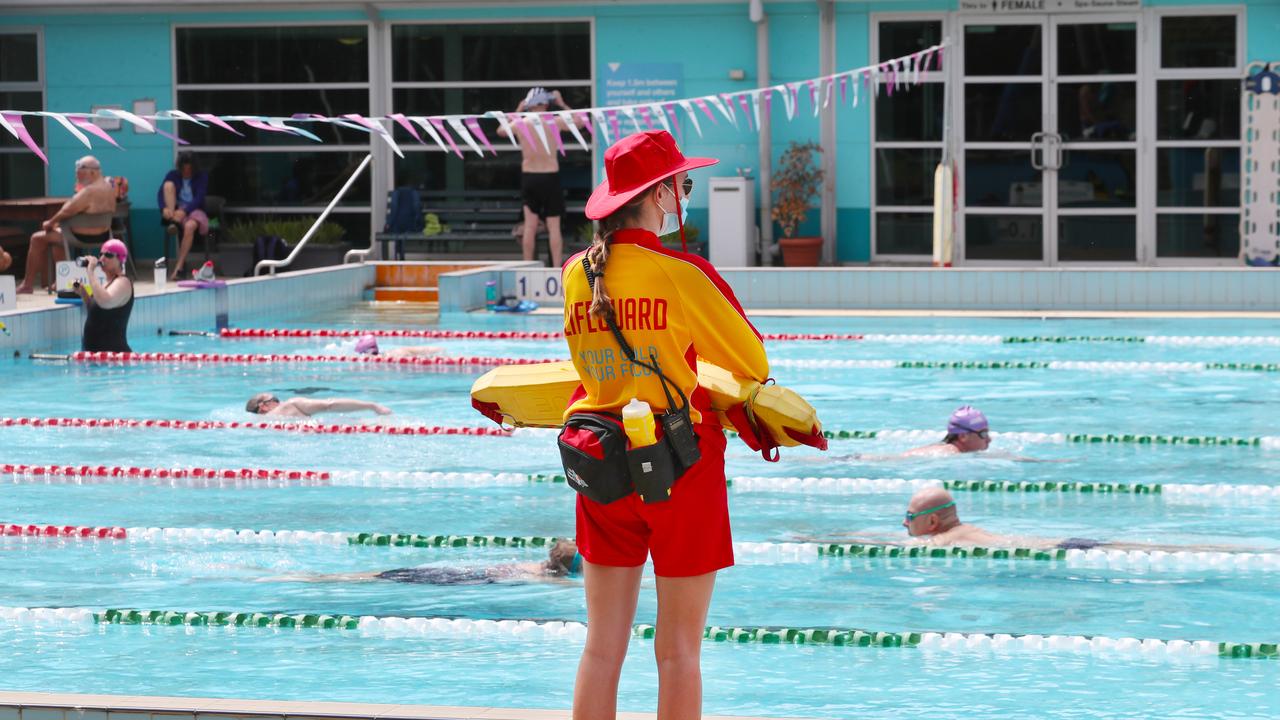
x,y
637,316
109,304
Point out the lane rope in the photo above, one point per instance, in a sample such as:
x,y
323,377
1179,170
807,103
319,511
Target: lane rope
x,y
905,338
747,552
1103,366
260,477
306,428
264,359
445,627
1263,441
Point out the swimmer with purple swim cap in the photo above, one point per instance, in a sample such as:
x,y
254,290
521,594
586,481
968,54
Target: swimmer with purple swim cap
x,y
368,345
967,432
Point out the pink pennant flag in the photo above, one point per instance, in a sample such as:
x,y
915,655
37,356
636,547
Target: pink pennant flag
x,y
523,126
259,125
84,124
217,121
675,121
553,129
438,124
937,59
644,115
585,118
174,138
613,123
702,105
767,97
843,83
742,103
866,79
813,95
13,123
474,126
403,122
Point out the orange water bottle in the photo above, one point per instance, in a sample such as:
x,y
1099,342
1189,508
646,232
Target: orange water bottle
x,y
637,420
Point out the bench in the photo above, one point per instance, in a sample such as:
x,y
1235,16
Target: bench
x,y
478,224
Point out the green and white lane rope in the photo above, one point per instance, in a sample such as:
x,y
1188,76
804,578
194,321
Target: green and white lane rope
x,y
1269,442
442,627
766,553
1100,366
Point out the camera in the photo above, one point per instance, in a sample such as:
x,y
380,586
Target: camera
x,y
82,261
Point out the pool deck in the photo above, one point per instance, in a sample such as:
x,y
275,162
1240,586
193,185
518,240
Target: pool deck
x,y
57,706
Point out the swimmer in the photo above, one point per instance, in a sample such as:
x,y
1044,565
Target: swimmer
x,y
368,345
562,561
268,404
967,432
932,518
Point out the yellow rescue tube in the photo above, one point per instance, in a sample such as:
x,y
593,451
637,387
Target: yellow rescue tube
x,y
537,395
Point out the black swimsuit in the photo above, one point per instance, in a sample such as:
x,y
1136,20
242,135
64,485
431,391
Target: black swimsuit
x,y
438,576
107,330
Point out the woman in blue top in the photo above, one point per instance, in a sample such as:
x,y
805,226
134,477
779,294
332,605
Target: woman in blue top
x,y
181,199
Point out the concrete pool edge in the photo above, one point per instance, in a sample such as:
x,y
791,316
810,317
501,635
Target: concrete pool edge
x,y
65,706
864,290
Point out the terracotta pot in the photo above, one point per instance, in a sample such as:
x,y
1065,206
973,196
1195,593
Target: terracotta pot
x,y
801,251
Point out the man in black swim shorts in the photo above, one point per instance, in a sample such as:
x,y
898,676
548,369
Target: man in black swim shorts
x,y
537,131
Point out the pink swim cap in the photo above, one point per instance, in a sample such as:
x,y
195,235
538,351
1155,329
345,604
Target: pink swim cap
x,y
117,248
367,344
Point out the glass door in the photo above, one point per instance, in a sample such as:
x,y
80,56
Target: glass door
x,y
1092,140
1002,112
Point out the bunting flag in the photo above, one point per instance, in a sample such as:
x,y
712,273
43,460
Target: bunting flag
x,y
601,123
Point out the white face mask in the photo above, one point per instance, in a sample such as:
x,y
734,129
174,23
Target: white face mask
x,y
670,223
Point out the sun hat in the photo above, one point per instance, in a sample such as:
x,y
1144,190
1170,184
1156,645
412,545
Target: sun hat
x,y
367,344
633,165
117,248
967,419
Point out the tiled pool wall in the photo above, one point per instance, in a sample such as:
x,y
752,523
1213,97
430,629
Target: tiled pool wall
x,y
59,327
1048,289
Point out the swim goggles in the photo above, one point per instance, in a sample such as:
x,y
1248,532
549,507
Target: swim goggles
x,y
913,515
985,434
575,565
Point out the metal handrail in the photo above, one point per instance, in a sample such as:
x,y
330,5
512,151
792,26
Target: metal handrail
x,y
273,264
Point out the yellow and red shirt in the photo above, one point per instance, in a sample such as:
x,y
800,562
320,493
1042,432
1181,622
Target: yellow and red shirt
x,y
672,305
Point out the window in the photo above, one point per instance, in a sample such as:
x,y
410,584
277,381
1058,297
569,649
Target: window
x,y
471,68
278,71
1197,136
22,174
907,142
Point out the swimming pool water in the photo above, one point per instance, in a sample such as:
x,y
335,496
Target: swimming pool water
x,y
780,680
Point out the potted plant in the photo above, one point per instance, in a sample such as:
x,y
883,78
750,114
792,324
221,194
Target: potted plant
x,y
795,182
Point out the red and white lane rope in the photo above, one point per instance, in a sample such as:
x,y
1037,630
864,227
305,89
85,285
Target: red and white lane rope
x,y
192,476
305,428
259,333
266,359
65,532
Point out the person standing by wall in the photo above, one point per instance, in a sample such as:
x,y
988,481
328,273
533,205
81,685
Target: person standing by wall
x,y
674,308
540,173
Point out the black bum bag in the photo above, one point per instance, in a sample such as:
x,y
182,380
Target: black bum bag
x,y
599,465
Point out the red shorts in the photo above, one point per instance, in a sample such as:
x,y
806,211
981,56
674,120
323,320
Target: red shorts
x,y
687,535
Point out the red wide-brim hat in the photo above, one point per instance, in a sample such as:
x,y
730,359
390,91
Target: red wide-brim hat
x,y
633,165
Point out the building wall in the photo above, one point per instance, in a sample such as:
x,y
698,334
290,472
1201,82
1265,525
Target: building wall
x,y
96,59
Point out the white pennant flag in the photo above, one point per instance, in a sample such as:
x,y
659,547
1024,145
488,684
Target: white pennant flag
x,y
853,80
630,112
184,116
719,105
536,122
755,106
70,127
567,117
426,126
662,116
602,125
787,102
456,124
505,124
826,96
693,116
134,119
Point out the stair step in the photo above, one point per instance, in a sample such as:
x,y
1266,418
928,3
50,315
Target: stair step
x,y
406,294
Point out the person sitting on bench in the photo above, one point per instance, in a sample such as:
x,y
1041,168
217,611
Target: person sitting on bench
x,y
94,196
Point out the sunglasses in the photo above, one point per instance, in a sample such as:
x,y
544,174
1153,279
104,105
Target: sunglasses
x,y
913,515
686,187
